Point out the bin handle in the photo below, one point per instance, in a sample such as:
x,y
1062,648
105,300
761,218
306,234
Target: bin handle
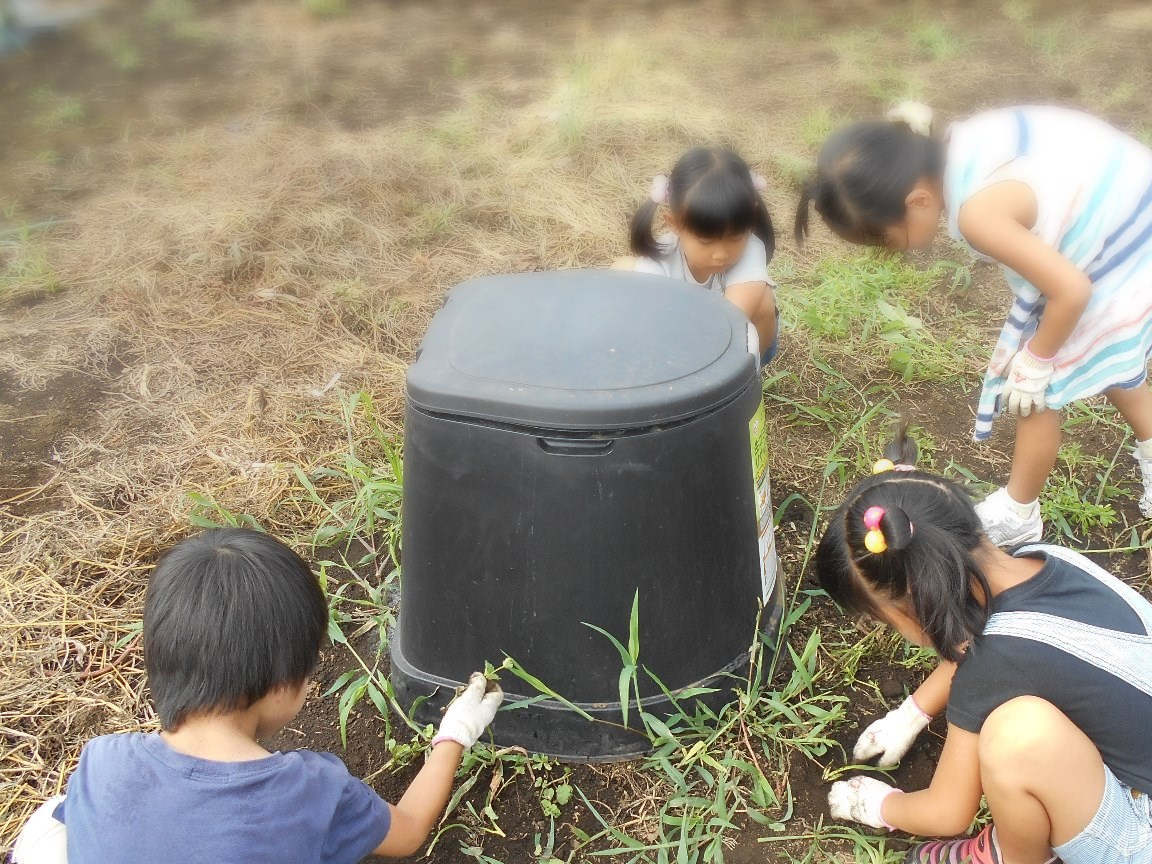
x,y
576,446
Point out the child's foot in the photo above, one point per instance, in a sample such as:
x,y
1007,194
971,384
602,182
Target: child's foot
x,y
1145,464
981,849
1007,522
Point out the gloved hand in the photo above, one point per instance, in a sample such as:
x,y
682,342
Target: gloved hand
x,y
470,712
1025,382
859,800
891,735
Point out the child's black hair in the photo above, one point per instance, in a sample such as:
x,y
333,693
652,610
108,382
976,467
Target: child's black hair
x,y
929,567
863,175
710,191
229,616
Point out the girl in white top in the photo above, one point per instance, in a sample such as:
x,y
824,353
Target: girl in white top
x,y
719,235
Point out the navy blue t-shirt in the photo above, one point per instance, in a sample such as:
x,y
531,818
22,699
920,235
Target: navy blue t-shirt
x,y
1115,715
135,800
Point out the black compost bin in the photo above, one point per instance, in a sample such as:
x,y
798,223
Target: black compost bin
x,y
573,440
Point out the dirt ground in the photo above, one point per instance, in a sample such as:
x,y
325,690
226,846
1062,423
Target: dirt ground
x,y
153,352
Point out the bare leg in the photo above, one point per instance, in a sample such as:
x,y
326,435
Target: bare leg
x,y
1042,777
1037,443
1135,405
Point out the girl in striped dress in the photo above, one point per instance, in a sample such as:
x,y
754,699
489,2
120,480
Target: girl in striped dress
x,y
1063,202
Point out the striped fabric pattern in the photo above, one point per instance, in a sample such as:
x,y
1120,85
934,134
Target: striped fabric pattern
x,y
981,849
1094,205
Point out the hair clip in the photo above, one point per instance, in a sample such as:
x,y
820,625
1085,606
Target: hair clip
x,y
874,540
915,115
758,182
659,193
887,464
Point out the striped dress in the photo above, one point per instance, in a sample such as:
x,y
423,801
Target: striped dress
x,y
1093,186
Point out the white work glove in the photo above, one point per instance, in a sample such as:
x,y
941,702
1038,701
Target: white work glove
x,y
859,800
470,712
42,840
1025,382
891,735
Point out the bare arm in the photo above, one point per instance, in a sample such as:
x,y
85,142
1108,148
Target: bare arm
x,y
932,696
417,811
950,802
997,221
757,301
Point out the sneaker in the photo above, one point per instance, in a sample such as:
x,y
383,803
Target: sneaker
x,y
981,849
1146,476
1003,523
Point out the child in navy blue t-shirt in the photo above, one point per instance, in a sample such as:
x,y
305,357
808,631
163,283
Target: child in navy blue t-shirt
x,y
233,625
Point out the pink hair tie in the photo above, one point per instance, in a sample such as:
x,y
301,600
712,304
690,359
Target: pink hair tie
x,y
659,193
758,182
874,540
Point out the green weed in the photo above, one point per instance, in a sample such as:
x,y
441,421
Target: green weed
x,y
357,496
1060,45
458,66
117,47
861,307
24,265
1075,501
789,26
179,17
326,8
935,41
1017,11
816,127
55,110
793,170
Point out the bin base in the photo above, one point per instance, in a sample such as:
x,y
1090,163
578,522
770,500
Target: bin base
x,y
551,728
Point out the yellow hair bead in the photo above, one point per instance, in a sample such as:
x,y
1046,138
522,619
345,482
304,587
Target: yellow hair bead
x,y
874,541
883,465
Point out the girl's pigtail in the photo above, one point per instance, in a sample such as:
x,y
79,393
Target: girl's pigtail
x,y
763,227
897,528
800,226
640,237
902,450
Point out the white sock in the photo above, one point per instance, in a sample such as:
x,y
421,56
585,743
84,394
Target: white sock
x,y
1024,511
1144,448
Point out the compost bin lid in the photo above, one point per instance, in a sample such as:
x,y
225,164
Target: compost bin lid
x,y
581,350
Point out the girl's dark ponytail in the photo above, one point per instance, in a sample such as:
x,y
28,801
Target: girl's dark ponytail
x,y
902,449
941,594
762,227
800,226
640,237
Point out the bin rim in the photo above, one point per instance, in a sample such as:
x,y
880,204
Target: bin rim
x,y
581,350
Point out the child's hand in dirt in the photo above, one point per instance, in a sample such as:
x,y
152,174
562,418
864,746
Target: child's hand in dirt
x,y
891,735
859,800
470,712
